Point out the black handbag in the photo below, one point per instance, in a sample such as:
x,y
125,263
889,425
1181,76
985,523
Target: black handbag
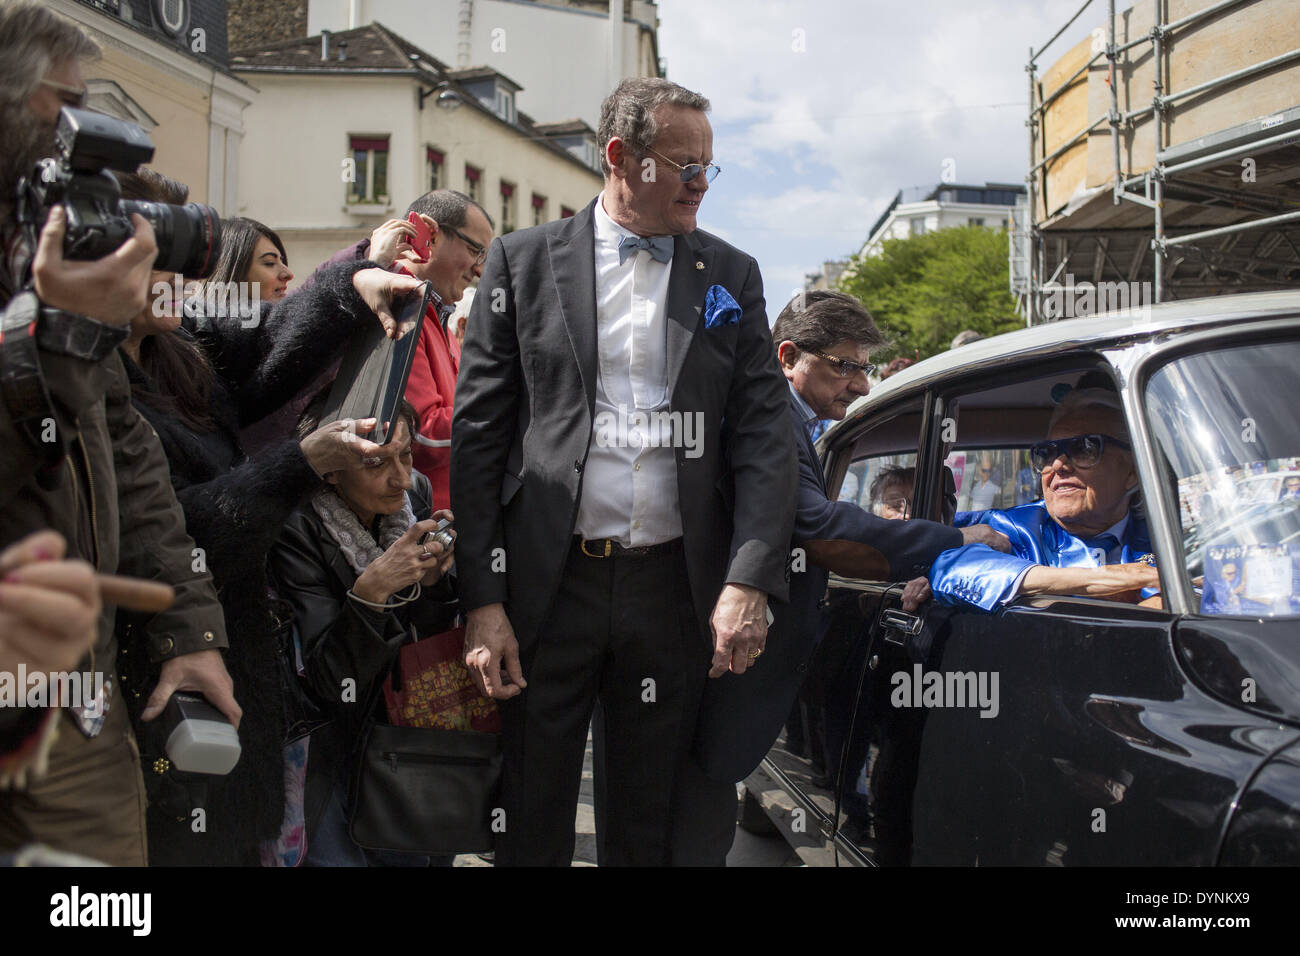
x,y
421,790
424,789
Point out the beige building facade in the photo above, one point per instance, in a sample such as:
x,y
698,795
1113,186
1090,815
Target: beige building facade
x,y
348,129
174,87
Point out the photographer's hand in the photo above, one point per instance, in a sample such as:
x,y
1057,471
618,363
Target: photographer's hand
x,y
378,288
113,289
203,671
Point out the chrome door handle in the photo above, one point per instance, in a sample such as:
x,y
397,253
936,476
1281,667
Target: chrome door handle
x,y
906,625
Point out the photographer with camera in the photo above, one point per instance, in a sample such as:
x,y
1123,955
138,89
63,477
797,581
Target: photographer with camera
x,y
197,392
78,459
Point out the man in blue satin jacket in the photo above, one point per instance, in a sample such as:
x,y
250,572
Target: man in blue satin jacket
x,y
1083,538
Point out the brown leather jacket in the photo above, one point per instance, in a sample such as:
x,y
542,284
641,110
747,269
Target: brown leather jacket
x,y
115,506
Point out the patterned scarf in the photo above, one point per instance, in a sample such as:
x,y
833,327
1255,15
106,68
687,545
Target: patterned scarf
x,y
357,544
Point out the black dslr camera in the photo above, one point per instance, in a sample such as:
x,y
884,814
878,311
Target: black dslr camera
x,y
99,219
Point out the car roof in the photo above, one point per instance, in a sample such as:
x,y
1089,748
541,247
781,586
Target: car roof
x,y
1090,333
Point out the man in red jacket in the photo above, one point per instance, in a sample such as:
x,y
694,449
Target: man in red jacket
x,y
460,233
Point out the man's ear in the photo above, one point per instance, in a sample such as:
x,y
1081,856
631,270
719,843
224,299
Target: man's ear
x,y
331,478
787,353
615,150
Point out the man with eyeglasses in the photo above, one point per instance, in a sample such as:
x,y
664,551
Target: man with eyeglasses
x,y
1083,537
460,231
623,481
823,341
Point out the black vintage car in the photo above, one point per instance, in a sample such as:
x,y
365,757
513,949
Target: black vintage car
x,y
1092,731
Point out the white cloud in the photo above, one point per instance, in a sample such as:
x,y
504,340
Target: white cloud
x,y
884,92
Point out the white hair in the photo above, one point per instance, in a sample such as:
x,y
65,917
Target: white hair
x,y
1081,399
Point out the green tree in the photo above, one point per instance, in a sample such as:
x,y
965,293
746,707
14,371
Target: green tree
x,y
925,289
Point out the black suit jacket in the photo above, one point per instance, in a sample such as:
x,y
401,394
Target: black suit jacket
x,y
742,715
525,399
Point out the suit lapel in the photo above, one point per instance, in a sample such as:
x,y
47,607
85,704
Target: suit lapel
x,y
573,267
686,287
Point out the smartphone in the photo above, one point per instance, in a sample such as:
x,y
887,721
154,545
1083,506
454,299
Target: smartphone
x,y
420,244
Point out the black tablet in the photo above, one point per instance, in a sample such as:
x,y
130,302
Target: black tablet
x,y
372,377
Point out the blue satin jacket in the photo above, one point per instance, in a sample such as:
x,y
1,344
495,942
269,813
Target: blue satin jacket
x,y
976,575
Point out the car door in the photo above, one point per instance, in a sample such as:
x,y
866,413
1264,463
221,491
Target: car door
x,y
1057,731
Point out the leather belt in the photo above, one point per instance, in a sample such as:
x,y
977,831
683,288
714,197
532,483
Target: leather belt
x,y
609,548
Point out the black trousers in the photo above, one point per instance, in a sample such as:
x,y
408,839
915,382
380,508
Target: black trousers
x,y
622,632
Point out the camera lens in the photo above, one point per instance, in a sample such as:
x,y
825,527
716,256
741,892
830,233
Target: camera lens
x,y
189,236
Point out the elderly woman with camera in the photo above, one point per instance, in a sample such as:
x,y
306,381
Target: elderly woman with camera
x,y
364,568
198,391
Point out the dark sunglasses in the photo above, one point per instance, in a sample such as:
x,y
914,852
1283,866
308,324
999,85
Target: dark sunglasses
x,y
842,366
480,254
690,172
1082,450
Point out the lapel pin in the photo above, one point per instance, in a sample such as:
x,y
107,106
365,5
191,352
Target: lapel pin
x,y
699,265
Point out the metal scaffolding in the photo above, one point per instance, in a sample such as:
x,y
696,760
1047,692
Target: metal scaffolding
x,y
1214,267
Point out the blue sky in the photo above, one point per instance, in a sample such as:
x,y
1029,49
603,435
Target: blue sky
x,y
823,109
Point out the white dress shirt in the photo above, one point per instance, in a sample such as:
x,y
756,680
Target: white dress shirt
x,y
629,487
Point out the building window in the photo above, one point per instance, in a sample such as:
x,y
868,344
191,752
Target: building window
x,y
433,161
370,170
504,104
975,221
507,207
917,227
592,153
539,209
474,183
565,212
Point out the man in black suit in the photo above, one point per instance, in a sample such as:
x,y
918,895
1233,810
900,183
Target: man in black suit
x,y
823,341
623,479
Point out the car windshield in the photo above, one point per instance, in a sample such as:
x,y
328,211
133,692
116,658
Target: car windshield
x,y
1230,438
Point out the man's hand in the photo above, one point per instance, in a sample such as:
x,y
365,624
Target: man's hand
x,y
113,289
739,625
915,593
202,671
390,240
49,608
983,534
379,288
490,643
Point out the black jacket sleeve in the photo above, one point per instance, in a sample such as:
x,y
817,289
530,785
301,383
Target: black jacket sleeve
x,y
267,358
238,515
908,546
345,645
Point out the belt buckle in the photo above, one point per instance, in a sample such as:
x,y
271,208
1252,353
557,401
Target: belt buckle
x,y
582,546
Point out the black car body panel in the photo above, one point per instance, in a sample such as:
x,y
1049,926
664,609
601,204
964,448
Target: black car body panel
x,y
1073,731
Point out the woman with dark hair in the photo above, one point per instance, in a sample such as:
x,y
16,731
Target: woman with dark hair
x,y
353,566
198,392
252,253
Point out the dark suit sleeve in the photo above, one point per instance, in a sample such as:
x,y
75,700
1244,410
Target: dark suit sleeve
x,y
488,388
908,546
760,451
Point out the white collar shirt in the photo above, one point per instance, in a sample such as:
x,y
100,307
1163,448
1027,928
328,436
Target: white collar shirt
x,y
629,486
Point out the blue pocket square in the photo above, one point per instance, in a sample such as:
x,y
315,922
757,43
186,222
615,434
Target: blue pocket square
x,y
720,308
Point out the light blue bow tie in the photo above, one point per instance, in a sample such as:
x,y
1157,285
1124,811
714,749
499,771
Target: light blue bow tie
x,y
661,247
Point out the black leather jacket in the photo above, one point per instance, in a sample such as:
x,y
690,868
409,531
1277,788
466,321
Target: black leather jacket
x,y
346,646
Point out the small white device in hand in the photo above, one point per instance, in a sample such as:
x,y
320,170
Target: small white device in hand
x,y
199,738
